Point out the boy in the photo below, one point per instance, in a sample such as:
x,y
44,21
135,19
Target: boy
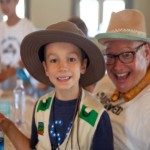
x,y
69,117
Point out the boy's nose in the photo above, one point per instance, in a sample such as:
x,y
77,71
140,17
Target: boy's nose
x,y
63,65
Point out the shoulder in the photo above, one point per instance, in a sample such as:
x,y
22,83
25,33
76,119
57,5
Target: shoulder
x,y
91,101
25,20
146,91
143,101
143,97
104,85
28,24
89,97
2,24
45,99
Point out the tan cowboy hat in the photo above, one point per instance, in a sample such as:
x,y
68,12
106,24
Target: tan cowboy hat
x,y
126,24
64,31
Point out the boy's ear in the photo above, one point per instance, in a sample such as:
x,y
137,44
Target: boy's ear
x,y
45,68
84,66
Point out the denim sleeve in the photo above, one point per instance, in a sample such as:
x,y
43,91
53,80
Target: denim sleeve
x,y
103,138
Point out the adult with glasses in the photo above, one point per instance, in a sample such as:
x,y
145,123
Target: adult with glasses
x,y
127,57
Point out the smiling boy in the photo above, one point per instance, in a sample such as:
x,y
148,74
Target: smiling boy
x,y
69,117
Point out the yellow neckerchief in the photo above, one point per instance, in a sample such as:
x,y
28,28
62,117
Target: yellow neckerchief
x,y
133,92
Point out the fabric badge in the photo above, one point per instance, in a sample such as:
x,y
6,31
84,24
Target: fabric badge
x,y
40,128
88,114
44,105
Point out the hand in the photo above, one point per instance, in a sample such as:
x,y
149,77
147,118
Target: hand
x,y
7,73
20,63
4,123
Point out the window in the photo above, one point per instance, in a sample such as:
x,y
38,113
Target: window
x,y
89,13
96,13
110,6
21,9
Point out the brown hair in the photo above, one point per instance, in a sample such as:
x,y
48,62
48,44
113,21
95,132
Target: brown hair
x,y
79,23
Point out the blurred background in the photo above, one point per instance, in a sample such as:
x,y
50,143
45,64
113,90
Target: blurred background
x,y
95,13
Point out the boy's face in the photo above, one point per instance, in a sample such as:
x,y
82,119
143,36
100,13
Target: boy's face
x,y
8,7
64,65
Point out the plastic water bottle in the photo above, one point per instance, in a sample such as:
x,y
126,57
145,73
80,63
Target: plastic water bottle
x,y
1,140
19,102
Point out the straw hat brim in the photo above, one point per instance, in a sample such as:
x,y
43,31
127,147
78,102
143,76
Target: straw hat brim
x,y
32,43
105,37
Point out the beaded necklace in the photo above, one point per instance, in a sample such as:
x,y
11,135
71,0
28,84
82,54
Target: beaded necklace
x,y
133,92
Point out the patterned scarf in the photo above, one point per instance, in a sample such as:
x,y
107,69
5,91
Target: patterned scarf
x,y
133,92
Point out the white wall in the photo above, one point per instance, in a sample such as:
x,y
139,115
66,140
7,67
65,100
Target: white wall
x,y
144,6
46,12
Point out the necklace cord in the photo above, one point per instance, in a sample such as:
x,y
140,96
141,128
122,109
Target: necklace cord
x,y
75,113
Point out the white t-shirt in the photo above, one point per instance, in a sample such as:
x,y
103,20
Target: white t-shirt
x,y
10,40
105,84
131,128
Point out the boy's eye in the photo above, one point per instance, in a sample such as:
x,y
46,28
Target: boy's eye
x,y
72,59
53,60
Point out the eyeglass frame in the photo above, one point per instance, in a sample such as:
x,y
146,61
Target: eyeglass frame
x,y
135,50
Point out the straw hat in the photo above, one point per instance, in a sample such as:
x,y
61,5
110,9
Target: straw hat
x,y
126,24
64,31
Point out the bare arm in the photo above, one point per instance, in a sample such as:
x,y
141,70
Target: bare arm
x,y
7,73
19,140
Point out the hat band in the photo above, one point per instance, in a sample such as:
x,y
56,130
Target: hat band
x,y
129,32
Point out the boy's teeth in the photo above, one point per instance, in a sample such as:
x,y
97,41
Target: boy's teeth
x,y
63,78
121,75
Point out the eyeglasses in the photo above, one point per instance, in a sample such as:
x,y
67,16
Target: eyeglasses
x,y
125,57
